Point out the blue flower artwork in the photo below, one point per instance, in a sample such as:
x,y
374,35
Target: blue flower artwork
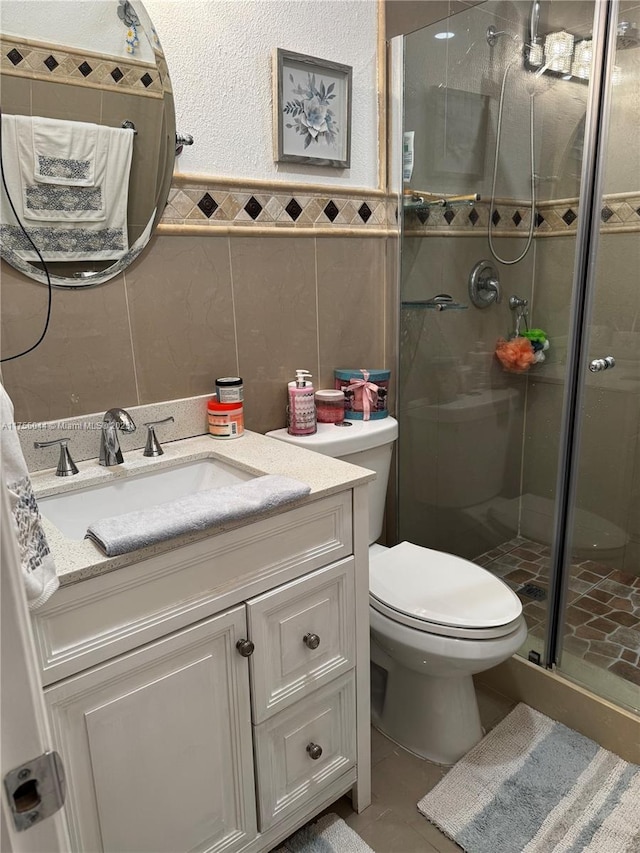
x,y
312,110
311,113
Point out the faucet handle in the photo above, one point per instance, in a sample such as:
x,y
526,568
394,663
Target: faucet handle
x,y
66,466
153,447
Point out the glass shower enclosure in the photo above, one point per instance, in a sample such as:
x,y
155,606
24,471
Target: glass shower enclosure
x,y
519,351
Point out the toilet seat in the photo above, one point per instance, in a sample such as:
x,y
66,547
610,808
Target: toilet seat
x,y
440,593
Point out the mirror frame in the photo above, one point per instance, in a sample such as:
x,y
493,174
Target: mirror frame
x,y
166,149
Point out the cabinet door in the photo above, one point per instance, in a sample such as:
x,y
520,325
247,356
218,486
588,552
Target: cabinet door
x,y
304,636
157,745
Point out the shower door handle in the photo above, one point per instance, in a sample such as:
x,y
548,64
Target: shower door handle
x,y
598,364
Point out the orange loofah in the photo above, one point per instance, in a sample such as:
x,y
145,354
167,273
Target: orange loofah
x,y
516,355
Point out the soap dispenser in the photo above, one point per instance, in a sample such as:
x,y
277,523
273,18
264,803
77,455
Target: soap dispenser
x,y
301,411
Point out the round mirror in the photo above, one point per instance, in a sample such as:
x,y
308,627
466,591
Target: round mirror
x,y
88,137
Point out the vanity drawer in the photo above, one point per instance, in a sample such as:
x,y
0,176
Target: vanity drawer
x,y
304,636
304,749
91,621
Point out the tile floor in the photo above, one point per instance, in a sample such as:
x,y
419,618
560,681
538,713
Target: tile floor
x,y
603,616
392,823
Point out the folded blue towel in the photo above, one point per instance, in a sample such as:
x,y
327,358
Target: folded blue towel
x,y
120,534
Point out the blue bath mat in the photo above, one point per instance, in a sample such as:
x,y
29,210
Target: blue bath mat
x,y
533,785
329,834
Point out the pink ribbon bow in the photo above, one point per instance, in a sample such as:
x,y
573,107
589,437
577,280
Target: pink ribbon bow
x,y
369,392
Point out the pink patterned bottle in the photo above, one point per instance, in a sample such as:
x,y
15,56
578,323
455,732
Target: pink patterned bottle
x,y
301,412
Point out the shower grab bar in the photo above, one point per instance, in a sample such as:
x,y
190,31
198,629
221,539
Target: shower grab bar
x,y
441,302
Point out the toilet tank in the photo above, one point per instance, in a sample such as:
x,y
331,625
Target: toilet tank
x,y
458,450
368,444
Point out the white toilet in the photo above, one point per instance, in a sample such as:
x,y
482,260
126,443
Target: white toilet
x,y
436,619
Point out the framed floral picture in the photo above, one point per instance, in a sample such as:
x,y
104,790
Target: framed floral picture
x,y
312,110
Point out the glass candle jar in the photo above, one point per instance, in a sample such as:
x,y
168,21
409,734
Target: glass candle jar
x,y
330,407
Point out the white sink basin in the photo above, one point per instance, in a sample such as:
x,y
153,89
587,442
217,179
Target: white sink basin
x,y
73,512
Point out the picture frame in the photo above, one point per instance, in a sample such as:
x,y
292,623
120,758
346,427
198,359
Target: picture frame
x,y
312,110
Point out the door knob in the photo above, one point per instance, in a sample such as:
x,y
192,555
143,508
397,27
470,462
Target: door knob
x,y
598,364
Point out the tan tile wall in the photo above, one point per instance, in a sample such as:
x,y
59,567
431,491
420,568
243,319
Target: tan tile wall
x,y
193,308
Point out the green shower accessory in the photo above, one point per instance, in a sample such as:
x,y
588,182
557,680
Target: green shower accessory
x,y
539,342
535,335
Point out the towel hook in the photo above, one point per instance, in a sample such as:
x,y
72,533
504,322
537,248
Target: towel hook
x,y
129,125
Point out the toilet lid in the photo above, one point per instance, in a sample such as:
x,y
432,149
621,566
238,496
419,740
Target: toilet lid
x,y
441,588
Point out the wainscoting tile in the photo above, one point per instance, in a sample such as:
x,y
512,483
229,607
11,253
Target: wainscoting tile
x,y
15,93
274,294
182,317
85,362
51,100
350,304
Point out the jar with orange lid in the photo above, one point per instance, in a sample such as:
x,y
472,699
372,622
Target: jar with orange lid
x,y
225,420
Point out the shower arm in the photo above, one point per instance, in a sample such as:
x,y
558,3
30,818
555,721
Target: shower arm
x,y
534,21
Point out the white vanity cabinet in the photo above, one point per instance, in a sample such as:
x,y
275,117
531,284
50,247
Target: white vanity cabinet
x,y
215,697
157,744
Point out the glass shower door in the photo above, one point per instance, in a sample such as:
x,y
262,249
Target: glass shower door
x,y
601,634
479,443
483,471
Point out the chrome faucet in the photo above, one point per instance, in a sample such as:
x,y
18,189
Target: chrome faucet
x,y
114,420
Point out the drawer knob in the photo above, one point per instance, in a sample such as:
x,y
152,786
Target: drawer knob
x,y
245,647
312,641
314,751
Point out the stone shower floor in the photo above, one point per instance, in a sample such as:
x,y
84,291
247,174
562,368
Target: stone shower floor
x,y
603,615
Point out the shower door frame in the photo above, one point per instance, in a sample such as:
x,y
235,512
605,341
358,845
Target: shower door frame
x,y
583,293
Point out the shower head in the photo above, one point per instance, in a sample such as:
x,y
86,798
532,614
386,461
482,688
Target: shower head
x,y
628,36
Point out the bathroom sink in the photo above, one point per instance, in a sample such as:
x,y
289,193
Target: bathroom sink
x,y
73,512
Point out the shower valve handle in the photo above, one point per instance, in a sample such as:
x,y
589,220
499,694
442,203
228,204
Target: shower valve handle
x,y
493,286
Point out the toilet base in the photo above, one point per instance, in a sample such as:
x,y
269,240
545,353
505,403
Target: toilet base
x,y
434,717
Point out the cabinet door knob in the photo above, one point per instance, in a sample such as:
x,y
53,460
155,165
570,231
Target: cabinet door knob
x,y
245,647
312,641
314,751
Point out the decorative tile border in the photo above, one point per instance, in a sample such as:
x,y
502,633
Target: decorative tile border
x,y
620,213
199,202
41,61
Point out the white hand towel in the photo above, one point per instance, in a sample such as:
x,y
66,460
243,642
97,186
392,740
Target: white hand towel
x,y
120,534
63,167
80,223
65,152
38,567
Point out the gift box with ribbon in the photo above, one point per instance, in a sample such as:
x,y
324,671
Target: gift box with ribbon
x,y
365,392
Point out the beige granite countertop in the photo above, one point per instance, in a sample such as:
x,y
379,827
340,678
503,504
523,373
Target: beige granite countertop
x,y
254,453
